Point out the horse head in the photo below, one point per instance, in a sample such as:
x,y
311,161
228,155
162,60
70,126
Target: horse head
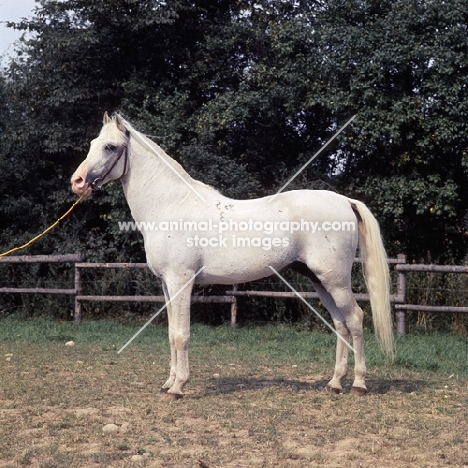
x,y
106,160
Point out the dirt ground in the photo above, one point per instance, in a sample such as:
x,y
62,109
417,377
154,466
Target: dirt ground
x,y
88,407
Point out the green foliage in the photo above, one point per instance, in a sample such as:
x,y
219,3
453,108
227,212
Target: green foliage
x,y
243,94
403,66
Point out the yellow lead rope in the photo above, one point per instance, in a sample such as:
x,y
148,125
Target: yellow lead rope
x,y
34,239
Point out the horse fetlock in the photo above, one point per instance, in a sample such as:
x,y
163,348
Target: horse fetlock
x,y
170,382
178,387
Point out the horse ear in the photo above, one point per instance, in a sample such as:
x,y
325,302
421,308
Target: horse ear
x,y
106,119
119,122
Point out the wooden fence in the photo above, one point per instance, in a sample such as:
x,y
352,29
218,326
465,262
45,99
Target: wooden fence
x,y
80,297
230,297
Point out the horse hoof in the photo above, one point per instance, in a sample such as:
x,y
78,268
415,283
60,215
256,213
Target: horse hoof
x,y
358,391
330,389
163,390
171,396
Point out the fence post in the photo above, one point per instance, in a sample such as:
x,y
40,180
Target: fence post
x,y
78,292
400,315
400,322
401,280
234,307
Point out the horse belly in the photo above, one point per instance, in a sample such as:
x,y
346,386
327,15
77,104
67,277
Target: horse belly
x,y
247,260
234,272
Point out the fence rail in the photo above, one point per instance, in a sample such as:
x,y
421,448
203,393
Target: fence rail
x,y
230,297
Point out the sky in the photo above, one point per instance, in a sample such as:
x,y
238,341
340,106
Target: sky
x,y
12,10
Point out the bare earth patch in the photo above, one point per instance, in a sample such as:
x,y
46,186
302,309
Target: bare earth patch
x,y
55,402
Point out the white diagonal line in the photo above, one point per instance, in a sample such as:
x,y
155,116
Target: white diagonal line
x,y
313,157
160,310
312,309
144,142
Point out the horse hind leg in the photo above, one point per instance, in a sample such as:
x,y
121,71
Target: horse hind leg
x,y
348,318
342,343
342,330
354,323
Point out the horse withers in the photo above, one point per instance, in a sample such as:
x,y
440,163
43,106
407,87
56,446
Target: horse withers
x,y
195,235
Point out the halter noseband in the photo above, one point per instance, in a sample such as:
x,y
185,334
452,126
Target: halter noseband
x,y
94,183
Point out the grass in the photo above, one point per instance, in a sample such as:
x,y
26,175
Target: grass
x,y
254,400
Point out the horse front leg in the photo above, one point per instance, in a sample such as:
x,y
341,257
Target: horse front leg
x,y
179,337
172,375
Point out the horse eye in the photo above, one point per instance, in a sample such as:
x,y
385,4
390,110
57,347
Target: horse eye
x,y
111,148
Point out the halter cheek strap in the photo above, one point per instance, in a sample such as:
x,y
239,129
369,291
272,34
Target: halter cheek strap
x,y
124,149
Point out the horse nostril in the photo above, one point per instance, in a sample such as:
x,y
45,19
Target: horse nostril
x,y
78,181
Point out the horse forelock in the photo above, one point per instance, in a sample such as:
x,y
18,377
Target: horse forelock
x,y
110,133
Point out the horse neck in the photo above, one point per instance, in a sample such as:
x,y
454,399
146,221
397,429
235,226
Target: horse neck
x,y
152,188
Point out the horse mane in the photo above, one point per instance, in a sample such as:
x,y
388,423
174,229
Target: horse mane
x,y
158,151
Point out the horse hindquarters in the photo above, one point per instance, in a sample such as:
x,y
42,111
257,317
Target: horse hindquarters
x,y
334,289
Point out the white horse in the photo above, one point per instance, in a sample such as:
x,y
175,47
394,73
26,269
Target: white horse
x,y
194,235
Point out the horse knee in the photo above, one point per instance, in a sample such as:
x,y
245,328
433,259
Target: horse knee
x,y
181,342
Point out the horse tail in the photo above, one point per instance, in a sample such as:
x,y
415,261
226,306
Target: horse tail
x,y
376,275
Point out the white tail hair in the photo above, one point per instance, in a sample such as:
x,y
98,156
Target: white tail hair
x,y
376,274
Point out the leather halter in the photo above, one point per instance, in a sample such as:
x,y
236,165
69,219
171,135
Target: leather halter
x,y
123,150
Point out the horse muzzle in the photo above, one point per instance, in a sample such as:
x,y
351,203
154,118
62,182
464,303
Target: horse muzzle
x,y
78,181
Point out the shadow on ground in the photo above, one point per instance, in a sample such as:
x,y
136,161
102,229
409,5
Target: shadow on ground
x,y
380,387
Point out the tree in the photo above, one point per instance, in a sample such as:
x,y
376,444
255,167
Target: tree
x,y
243,93
403,66
68,73
237,110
